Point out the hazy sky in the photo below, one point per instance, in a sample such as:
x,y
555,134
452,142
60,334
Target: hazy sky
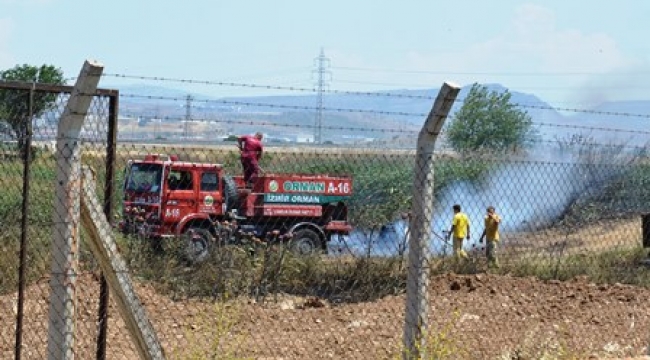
x,y
567,52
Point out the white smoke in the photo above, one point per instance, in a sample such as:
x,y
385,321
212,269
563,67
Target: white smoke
x,y
529,194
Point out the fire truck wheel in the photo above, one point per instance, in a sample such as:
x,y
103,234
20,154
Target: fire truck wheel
x,y
197,244
231,193
306,242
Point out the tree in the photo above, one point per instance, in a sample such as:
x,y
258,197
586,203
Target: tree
x,y
14,104
489,121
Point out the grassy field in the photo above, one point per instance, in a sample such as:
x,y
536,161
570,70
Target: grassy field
x,y
383,190
596,237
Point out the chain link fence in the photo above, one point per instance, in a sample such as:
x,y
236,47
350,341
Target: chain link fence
x,y
310,262
29,116
560,219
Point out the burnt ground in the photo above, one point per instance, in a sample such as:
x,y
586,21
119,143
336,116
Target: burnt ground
x,y
480,316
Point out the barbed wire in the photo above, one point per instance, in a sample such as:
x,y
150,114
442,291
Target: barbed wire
x,y
375,94
274,124
591,144
270,87
585,127
393,113
277,106
368,93
376,112
370,130
584,111
509,73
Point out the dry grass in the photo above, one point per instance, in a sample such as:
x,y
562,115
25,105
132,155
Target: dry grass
x,y
604,235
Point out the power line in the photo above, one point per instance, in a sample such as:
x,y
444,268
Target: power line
x,y
188,115
268,87
497,73
377,94
519,88
322,64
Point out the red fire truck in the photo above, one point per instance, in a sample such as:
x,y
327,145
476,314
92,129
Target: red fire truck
x,y
205,207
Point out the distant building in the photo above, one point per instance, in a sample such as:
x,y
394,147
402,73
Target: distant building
x,y
304,138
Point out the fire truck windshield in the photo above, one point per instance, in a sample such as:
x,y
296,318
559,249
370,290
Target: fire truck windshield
x,y
144,178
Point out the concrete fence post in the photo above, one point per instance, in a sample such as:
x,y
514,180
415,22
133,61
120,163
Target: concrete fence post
x,y
66,215
417,298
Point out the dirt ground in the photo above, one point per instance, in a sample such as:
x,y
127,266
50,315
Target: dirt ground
x,y
475,317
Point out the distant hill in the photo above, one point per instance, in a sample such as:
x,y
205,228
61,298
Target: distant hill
x,y
153,90
402,110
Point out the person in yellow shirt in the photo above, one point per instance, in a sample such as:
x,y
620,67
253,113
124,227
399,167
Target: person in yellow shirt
x,y
491,233
459,230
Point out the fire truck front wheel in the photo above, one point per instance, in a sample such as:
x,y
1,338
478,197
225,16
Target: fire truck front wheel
x,y
197,242
306,242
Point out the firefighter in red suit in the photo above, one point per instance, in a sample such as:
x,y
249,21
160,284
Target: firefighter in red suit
x,y
251,152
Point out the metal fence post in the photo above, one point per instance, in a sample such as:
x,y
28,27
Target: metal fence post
x,y
27,161
645,241
108,211
417,299
645,230
66,216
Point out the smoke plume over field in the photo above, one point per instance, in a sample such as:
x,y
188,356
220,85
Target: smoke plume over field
x,y
529,194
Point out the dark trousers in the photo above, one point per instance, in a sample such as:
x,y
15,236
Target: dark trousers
x,y
251,170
